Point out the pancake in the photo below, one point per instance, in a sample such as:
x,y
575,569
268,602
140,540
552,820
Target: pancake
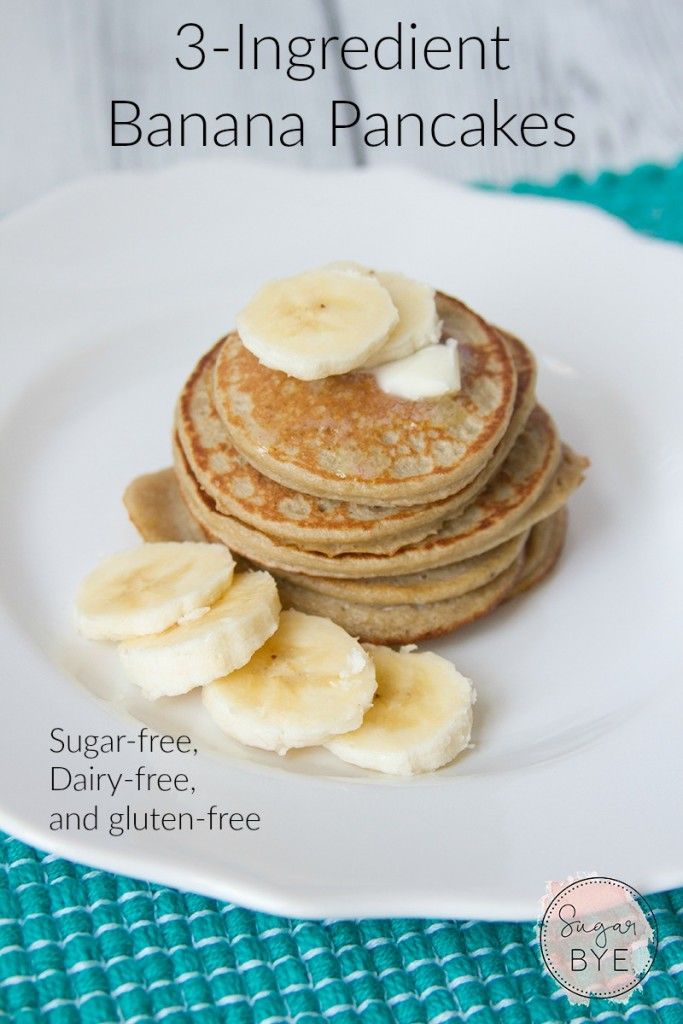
x,y
414,620
324,524
518,483
543,549
492,519
421,587
344,438
238,489
402,623
157,511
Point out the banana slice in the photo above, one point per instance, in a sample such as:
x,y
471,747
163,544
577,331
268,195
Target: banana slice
x,y
202,649
317,324
349,267
418,320
420,719
151,587
308,683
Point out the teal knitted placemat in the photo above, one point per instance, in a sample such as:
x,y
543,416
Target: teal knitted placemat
x,y
649,198
80,945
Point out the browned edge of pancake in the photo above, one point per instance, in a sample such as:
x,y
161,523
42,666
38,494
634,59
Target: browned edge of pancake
x,y
420,587
536,568
374,624
157,511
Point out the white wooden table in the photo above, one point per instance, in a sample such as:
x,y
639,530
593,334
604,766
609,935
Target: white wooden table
x,y
615,64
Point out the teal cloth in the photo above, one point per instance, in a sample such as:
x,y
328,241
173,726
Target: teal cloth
x,y
649,198
80,945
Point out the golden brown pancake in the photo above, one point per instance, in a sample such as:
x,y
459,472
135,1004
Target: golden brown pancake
x,y
344,438
310,522
542,551
402,623
500,512
158,512
417,620
516,486
440,584
242,491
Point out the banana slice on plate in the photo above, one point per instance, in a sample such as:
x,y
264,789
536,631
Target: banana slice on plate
x,y
201,649
317,324
150,588
420,720
310,681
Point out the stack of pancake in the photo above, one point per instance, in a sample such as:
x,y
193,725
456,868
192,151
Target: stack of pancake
x,y
398,519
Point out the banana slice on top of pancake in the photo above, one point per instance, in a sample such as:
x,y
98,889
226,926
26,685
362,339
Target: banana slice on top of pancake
x,y
343,317
418,324
317,324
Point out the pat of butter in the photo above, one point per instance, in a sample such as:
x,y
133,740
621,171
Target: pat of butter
x,y
428,373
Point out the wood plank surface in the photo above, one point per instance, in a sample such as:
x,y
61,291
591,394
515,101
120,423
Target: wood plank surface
x,y
63,61
614,64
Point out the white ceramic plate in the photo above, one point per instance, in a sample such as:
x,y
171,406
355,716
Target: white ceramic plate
x,y
110,291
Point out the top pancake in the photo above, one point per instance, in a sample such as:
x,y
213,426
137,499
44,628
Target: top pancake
x,y
329,525
344,438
